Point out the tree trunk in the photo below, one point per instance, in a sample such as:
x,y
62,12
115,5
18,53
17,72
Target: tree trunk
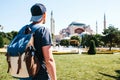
x,y
110,46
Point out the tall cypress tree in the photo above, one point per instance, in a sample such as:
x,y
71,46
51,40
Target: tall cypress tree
x,y
92,48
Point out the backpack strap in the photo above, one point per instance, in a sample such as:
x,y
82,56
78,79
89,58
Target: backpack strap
x,y
19,64
8,61
31,26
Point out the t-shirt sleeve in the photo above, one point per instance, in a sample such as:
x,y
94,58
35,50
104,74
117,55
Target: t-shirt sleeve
x,y
46,37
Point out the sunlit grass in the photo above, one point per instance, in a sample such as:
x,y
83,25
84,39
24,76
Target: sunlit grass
x,y
3,69
87,67
79,67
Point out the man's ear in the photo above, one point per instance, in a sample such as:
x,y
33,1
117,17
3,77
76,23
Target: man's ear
x,y
44,18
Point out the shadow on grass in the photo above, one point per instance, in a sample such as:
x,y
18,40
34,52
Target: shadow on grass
x,y
114,77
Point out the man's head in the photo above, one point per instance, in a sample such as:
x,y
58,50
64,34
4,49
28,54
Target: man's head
x,y
38,12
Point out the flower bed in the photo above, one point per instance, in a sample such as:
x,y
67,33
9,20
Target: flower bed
x,y
105,52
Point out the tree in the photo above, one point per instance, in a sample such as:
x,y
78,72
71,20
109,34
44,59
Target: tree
x,y
98,40
11,35
110,35
64,42
117,38
1,42
75,41
92,48
14,33
85,40
7,37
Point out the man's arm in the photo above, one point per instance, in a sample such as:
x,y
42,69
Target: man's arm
x,y
49,61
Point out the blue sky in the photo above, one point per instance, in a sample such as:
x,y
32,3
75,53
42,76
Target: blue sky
x,y
16,13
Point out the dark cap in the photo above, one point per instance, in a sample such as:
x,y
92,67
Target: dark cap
x,y
37,11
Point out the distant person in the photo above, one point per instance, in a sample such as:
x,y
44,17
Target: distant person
x,y
42,44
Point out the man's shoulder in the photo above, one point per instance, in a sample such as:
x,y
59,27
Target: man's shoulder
x,y
41,27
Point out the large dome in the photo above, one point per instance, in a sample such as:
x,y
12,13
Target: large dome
x,y
75,23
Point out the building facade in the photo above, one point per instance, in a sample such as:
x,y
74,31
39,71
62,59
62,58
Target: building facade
x,y
76,28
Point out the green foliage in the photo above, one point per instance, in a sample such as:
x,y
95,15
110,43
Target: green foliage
x,y
110,37
6,41
76,38
65,42
11,35
75,41
92,48
1,42
117,38
7,37
86,40
14,33
98,40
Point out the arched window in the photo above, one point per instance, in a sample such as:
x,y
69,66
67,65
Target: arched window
x,y
79,30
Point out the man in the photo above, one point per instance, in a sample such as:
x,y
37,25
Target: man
x,y
42,43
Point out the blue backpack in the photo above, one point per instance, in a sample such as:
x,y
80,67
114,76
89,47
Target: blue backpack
x,y
23,60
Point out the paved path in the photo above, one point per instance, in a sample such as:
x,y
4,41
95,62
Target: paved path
x,y
3,50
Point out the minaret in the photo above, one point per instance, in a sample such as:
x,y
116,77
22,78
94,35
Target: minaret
x,y
104,21
96,28
52,27
52,23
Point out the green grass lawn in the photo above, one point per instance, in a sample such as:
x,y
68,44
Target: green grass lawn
x,y
79,67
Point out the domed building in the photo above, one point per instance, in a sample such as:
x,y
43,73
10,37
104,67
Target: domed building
x,y
76,28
